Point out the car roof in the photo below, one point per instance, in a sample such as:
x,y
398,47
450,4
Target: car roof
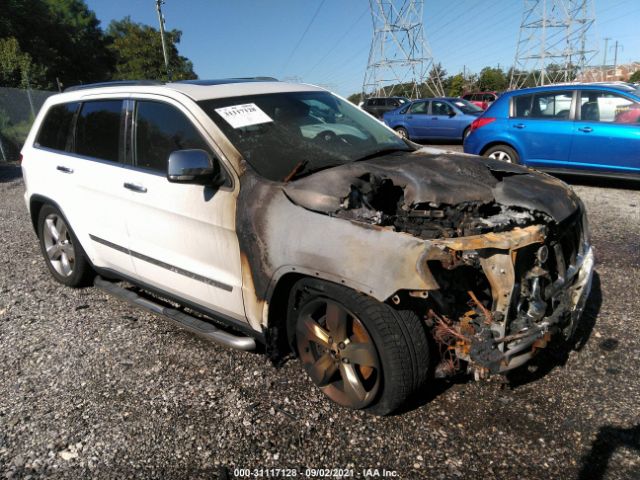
x,y
576,86
448,99
195,89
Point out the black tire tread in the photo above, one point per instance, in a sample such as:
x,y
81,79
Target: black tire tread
x,y
400,338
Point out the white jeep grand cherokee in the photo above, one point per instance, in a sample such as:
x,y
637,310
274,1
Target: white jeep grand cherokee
x,y
251,210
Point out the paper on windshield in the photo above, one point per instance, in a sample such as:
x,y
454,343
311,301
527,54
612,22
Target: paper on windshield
x,y
239,116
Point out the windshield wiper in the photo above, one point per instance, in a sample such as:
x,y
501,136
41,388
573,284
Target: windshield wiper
x,y
299,168
382,151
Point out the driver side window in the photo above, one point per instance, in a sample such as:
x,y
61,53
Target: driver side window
x,y
440,108
160,130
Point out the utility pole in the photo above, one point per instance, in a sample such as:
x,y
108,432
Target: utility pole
x,y
615,60
604,60
165,53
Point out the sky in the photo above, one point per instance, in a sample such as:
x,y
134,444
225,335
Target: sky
x,y
327,42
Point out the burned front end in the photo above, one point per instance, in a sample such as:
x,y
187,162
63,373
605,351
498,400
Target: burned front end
x,y
506,261
503,295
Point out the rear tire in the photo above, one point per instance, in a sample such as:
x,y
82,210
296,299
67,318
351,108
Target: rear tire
x,y
361,353
61,249
503,153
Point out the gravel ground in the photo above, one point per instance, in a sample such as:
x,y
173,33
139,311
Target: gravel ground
x,y
93,388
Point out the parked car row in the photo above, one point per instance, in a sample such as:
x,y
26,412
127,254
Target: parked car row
x,y
590,128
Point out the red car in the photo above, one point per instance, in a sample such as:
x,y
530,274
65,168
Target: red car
x,y
481,99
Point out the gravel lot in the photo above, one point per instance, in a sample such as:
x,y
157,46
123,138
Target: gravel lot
x,y
93,388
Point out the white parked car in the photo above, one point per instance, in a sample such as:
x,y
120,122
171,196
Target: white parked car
x,y
281,214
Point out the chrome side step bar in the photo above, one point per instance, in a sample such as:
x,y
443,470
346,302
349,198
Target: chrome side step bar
x,y
195,325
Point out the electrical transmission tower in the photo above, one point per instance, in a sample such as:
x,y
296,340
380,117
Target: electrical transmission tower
x,y
399,52
554,42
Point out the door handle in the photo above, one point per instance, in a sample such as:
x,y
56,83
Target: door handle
x,y
135,187
63,169
409,117
519,125
586,129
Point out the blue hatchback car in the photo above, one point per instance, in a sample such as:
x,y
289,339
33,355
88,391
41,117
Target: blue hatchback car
x,y
591,129
434,118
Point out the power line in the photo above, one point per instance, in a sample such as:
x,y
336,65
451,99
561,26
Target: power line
x,y
335,45
295,49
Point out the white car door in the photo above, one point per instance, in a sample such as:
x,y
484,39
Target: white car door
x,y
97,200
182,237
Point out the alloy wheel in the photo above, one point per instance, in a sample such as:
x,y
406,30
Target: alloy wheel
x,y
338,353
402,132
58,245
500,155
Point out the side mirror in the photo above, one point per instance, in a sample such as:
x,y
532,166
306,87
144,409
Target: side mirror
x,y
452,113
193,166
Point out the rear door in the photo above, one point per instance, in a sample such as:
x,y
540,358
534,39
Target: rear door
x,y
606,133
183,237
542,123
98,172
418,119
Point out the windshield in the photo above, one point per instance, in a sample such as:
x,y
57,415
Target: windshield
x,y
466,107
299,132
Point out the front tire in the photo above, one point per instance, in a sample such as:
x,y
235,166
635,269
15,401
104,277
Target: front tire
x,y
361,353
402,132
61,249
503,153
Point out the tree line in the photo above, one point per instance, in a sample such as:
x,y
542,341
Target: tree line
x,y
490,79
51,44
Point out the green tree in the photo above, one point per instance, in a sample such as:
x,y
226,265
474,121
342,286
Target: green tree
x,y
355,98
17,68
62,36
635,77
492,79
455,85
138,52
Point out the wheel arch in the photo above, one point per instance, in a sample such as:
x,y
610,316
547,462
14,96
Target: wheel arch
x,y
501,142
278,296
36,202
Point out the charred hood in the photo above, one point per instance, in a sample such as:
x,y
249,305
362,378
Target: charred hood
x,y
418,181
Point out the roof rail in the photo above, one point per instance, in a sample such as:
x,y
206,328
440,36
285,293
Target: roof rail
x,y
223,81
115,83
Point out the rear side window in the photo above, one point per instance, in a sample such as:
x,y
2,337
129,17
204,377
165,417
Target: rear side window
x,y
98,130
56,126
419,107
552,105
522,106
160,130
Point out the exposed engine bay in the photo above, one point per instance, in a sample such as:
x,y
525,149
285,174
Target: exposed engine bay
x,y
507,250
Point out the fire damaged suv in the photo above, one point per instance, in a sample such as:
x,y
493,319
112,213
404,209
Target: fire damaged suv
x,y
256,212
